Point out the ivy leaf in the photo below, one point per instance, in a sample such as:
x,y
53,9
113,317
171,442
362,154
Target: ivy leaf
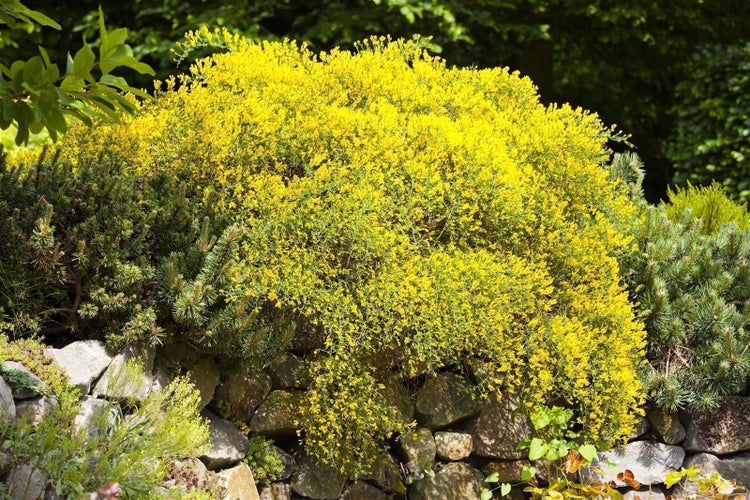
x,y
527,472
486,494
537,449
588,452
504,489
492,478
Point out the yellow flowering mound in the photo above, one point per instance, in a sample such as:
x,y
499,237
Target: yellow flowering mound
x,y
408,217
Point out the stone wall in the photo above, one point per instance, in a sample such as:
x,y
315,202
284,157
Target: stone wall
x,y
457,442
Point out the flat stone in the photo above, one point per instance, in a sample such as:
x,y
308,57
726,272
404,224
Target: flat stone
x,y
204,375
239,483
118,383
276,491
7,405
35,409
455,481
240,392
26,393
498,429
723,430
363,491
83,361
648,461
317,481
453,445
418,448
736,467
445,399
665,426
276,417
228,444
27,482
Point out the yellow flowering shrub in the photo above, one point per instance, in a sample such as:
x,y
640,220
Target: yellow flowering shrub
x,y
407,216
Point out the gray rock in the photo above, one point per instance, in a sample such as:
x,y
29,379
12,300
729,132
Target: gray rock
x,y
120,383
191,473
652,493
91,412
418,448
455,481
453,445
238,483
498,428
397,395
23,392
445,399
35,409
286,459
241,392
7,405
641,428
4,463
386,475
276,491
228,444
276,416
27,482
723,430
507,471
363,491
665,426
736,467
204,375
317,481
286,372
83,362
162,377
648,461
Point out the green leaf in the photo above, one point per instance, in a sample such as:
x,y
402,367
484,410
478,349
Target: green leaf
x,y
492,478
527,472
40,18
588,452
537,449
486,494
83,62
504,489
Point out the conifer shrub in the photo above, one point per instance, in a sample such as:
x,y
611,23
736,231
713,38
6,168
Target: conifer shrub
x,y
395,215
690,284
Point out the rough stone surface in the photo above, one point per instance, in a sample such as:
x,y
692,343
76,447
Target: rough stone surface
x,y
286,372
286,459
116,383
243,391
191,470
641,428
507,471
83,362
418,448
162,377
652,493
275,417
35,409
723,430
4,463
91,410
7,405
204,375
736,467
363,491
27,482
453,445
497,429
228,444
648,461
386,475
665,426
445,399
239,483
24,393
317,481
276,491
397,395
455,481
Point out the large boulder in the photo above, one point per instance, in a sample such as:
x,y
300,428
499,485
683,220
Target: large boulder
x,y
92,410
418,449
238,483
83,361
453,445
287,372
363,491
228,444
27,482
665,425
276,491
35,385
276,417
204,375
385,473
317,481
498,429
723,430
507,471
455,481
240,392
33,410
445,399
648,461
120,382
736,467
397,395
7,405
